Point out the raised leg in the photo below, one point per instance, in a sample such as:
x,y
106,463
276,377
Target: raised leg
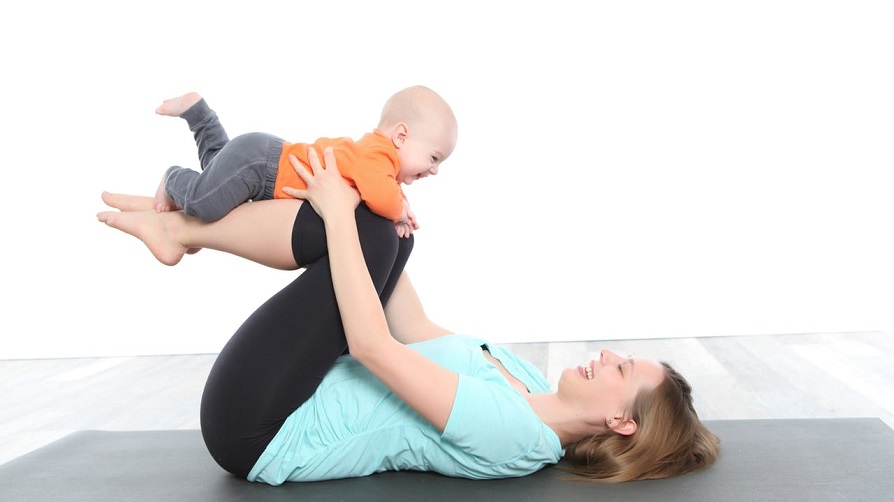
x,y
208,132
258,231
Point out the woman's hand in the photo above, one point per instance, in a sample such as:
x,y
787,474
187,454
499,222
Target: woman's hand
x,y
326,190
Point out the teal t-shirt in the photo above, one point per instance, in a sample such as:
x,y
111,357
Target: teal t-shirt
x,y
354,426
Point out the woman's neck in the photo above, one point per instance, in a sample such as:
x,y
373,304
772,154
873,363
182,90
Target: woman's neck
x,y
561,418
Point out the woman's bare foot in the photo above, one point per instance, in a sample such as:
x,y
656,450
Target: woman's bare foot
x,y
163,203
134,203
156,230
175,107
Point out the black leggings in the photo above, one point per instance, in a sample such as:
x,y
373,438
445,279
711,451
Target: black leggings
x,y
277,358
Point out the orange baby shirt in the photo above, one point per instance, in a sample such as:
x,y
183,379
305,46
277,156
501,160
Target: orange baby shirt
x,y
370,164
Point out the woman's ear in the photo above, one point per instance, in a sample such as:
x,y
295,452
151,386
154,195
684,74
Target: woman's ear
x,y
399,134
621,426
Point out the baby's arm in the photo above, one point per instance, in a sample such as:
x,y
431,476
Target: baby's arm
x,y
378,187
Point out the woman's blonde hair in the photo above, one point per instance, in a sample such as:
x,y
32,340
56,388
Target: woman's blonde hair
x,y
669,439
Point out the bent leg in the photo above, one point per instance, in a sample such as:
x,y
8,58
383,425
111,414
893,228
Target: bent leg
x,y
242,171
277,358
207,130
208,133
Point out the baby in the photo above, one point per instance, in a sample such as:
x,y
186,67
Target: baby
x,y
416,132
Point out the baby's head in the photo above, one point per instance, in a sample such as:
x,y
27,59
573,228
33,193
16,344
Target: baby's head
x,y
423,129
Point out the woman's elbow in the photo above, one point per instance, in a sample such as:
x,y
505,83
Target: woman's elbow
x,y
370,348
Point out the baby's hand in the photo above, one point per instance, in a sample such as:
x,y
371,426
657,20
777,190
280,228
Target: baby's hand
x,y
406,224
403,229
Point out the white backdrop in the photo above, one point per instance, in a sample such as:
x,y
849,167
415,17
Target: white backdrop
x,y
624,169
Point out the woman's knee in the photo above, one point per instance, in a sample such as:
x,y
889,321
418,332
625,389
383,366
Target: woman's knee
x,y
379,241
378,238
404,248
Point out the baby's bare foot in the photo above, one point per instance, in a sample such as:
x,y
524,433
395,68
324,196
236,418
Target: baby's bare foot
x,y
155,230
175,107
163,203
124,202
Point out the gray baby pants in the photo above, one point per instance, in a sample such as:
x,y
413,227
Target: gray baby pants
x,y
233,171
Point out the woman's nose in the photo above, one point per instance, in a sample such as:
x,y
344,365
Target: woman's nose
x,y
608,357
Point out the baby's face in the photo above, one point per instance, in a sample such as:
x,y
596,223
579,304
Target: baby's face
x,y
427,145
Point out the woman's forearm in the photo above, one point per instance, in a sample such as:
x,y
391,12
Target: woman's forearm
x,y
368,336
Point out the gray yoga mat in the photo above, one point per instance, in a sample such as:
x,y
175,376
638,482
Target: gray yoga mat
x,y
803,459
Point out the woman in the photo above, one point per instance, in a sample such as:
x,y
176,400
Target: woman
x,y
282,403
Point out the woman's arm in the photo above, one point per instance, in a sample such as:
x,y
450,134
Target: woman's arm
x,y
424,385
406,317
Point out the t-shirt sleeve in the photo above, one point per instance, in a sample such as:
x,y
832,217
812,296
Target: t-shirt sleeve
x,y
375,179
498,429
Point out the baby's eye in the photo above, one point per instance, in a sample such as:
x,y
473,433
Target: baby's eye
x,y
621,369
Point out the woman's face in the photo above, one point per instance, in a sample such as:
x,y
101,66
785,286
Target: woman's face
x,y
606,387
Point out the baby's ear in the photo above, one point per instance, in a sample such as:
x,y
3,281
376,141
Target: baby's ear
x,y
399,134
